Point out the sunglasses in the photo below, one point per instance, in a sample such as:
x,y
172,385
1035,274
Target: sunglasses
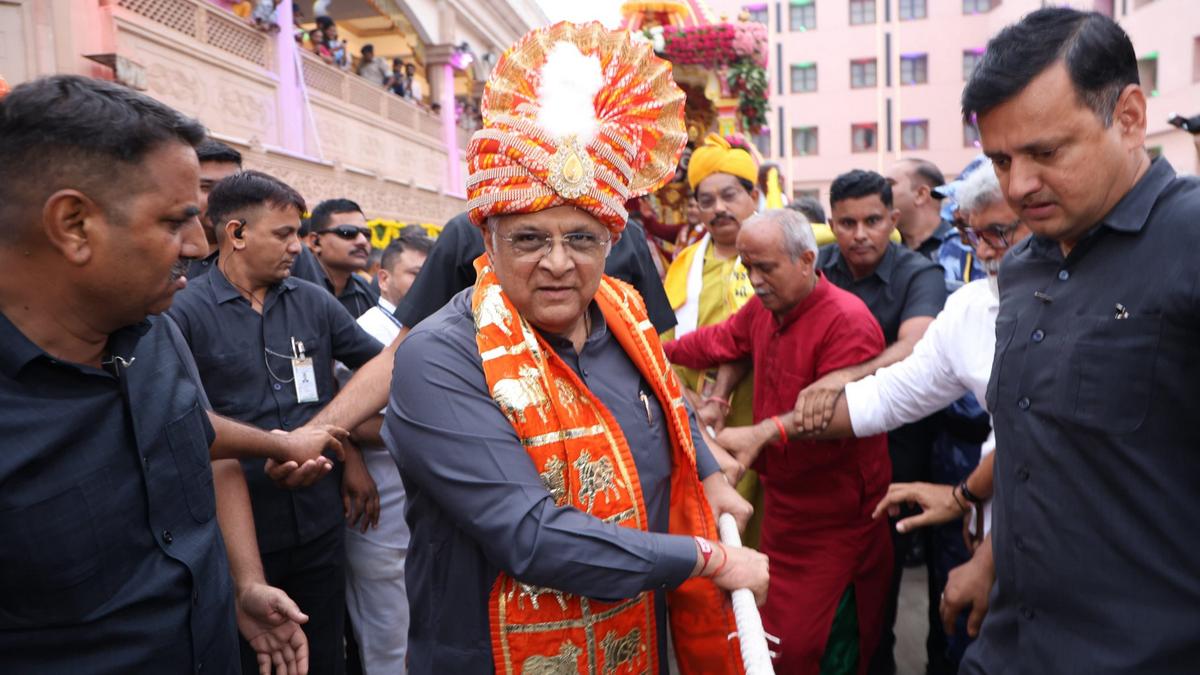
x,y
349,232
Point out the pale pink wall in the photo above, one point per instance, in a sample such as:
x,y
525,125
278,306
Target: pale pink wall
x,y
1167,26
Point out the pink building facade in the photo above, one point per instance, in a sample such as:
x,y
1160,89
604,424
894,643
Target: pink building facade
x,y
862,83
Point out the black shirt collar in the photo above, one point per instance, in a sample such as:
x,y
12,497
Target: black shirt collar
x,y
887,264
224,291
1129,215
18,351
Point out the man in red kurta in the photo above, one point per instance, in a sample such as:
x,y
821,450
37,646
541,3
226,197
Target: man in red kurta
x,y
830,562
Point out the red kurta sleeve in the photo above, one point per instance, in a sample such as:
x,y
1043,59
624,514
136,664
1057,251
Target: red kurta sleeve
x,y
710,346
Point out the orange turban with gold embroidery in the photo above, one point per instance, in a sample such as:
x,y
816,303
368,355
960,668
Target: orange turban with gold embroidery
x,y
578,115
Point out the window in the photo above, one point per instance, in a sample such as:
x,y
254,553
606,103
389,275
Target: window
x,y
970,135
804,141
812,193
978,6
862,11
762,141
863,137
1148,73
971,58
757,13
912,9
804,77
862,73
914,134
802,15
914,69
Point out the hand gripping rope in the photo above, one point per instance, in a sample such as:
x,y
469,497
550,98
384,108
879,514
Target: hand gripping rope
x,y
753,639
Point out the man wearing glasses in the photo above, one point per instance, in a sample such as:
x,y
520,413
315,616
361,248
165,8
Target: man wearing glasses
x,y
341,240
264,345
559,498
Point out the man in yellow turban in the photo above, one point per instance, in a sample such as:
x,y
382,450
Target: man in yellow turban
x,y
706,283
561,504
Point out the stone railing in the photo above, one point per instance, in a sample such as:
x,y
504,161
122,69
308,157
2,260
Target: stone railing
x,y
361,94
208,24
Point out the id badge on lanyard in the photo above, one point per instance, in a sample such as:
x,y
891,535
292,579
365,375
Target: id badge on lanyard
x,y
303,374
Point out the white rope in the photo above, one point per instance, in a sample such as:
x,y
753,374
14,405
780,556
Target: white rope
x,y
753,639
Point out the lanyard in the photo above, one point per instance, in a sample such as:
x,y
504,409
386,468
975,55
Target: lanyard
x,y
390,315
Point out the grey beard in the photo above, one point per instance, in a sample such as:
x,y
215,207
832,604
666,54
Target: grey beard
x,y
992,267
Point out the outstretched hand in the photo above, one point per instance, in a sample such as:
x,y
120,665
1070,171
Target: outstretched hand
x,y
270,621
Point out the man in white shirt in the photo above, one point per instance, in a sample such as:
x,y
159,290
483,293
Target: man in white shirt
x,y
952,358
376,598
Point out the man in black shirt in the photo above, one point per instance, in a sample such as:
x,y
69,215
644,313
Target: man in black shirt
x,y
264,344
112,559
904,291
219,161
341,240
1093,386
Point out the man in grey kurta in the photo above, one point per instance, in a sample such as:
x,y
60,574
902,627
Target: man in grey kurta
x,y
477,505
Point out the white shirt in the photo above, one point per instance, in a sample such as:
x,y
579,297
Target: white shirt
x,y
952,358
392,531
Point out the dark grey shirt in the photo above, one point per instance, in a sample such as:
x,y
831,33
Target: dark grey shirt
x,y
244,361
476,505
1094,398
111,559
904,285
357,297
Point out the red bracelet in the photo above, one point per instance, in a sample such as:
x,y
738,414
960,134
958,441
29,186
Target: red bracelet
x,y
724,559
782,430
718,399
706,551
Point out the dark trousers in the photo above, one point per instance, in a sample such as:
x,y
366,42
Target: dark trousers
x,y
314,576
909,448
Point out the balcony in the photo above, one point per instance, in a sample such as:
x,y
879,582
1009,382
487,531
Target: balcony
x,y
348,138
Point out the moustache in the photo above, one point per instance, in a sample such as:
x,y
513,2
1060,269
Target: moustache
x,y
178,269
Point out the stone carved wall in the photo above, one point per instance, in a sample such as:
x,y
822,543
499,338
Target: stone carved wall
x,y
378,197
226,87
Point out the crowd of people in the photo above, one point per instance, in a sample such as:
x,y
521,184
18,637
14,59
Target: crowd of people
x,y
234,449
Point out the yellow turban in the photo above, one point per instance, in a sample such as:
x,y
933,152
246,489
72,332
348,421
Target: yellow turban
x,y
717,156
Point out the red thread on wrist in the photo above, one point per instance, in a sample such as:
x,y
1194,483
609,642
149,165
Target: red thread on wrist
x,y
706,551
724,559
780,427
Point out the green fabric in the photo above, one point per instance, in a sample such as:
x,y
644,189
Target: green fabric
x,y
841,650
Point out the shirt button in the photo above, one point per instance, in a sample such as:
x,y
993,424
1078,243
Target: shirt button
x,y
146,461
166,537
277,386
1038,335
1023,473
1023,404
195,597
1063,275
1020,543
1027,612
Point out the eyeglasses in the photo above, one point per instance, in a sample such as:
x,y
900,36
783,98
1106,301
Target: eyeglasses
x,y
350,232
995,235
537,245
